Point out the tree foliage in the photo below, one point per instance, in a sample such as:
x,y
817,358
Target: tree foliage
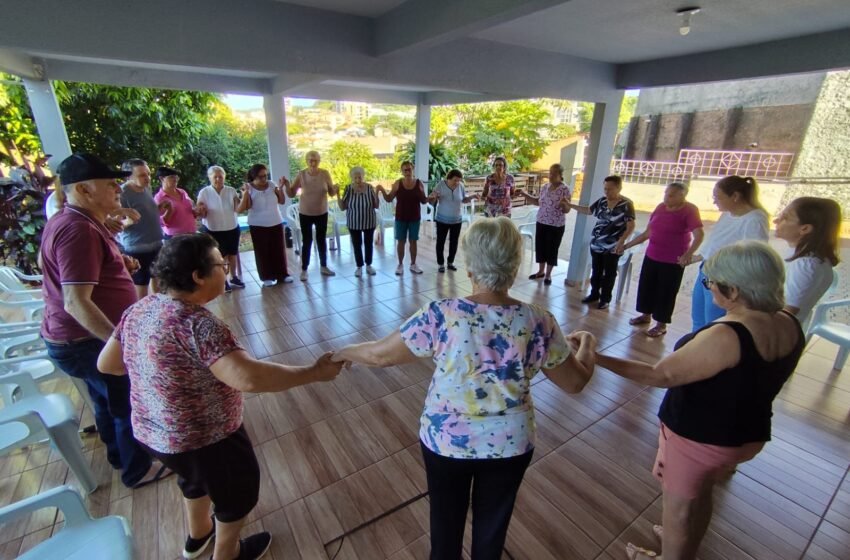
x,y
18,135
345,154
441,159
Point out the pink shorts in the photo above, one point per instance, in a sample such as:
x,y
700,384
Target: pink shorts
x,y
684,467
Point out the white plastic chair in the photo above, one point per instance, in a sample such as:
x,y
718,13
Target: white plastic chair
x,y
294,223
81,536
426,215
624,271
833,331
340,218
467,214
34,417
12,282
386,215
525,218
20,338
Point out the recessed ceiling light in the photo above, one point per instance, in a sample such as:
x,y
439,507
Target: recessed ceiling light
x,y
686,14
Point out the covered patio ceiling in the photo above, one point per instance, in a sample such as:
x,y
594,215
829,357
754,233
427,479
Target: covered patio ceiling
x,y
420,51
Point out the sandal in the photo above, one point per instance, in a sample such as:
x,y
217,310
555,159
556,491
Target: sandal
x,y
640,320
656,331
160,474
536,276
635,552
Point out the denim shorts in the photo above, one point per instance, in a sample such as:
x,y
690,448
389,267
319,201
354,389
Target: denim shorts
x,y
407,231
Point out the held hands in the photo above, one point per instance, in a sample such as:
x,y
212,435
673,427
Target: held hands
x,y
283,183
325,368
620,248
581,340
685,259
131,264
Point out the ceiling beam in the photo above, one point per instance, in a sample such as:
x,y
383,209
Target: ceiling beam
x,y
19,64
425,23
352,93
811,53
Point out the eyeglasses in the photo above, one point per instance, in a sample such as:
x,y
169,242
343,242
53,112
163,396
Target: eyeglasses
x,y
225,266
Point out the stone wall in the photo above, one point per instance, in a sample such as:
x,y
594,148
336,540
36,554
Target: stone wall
x,y
826,148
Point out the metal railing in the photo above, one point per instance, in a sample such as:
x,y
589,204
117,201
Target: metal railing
x,y
652,172
719,163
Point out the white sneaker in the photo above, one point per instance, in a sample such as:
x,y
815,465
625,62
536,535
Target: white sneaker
x,y
303,275
287,279
414,268
359,272
399,270
370,271
327,271
269,283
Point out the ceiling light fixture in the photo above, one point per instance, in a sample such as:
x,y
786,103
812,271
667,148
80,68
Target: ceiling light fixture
x,y
686,14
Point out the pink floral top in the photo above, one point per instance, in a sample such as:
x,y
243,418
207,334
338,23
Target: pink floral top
x,y
550,212
479,403
499,201
169,346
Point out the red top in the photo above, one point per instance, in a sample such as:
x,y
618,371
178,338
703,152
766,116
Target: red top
x,y
670,232
76,249
407,207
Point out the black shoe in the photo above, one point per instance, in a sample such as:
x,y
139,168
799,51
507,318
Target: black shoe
x,y
603,305
452,267
196,547
590,299
237,283
255,546
227,287
442,268
547,281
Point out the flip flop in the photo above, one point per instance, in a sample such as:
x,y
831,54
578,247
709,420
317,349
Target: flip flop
x,y
635,552
640,320
160,474
656,331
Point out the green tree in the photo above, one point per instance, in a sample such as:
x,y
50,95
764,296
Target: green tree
x,y
517,130
344,154
627,110
441,159
18,136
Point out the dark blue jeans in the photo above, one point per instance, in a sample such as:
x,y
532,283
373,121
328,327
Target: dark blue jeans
x,y
111,397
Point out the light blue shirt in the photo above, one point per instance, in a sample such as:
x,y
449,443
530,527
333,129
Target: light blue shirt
x,y
450,204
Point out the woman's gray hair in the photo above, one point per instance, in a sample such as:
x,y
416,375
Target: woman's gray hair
x,y
312,153
754,269
492,249
357,169
681,186
213,168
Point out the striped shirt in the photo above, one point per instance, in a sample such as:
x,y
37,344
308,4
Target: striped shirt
x,y
360,213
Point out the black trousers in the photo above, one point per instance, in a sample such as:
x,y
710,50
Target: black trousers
x,y
494,484
307,223
603,275
547,241
657,289
362,238
453,233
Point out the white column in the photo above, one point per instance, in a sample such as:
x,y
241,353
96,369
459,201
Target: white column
x,y
603,131
423,142
276,136
48,120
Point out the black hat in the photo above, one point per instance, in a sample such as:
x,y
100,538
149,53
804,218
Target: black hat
x,y
165,172
84,167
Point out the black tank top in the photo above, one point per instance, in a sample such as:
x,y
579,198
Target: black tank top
x,y
733,407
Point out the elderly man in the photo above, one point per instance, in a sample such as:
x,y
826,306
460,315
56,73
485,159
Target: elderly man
x,y
142,239
87,286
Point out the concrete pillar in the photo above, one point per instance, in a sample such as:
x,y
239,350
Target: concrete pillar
x,y
48,120
423,142
276,136
603,131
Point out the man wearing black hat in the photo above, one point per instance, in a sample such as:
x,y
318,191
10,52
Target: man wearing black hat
x,y
86,288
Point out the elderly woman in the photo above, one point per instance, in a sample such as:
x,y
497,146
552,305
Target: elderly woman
x,y
178,211
553,200
315,185
261,198
615,222
811,227
449,196
722,381
674,232
360,202
477,429
187,373
742,218
217,204
498,190
410,193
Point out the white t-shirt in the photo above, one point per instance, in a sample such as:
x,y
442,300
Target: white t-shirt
x,y
730,229
807,279
50,206
221,208
264,210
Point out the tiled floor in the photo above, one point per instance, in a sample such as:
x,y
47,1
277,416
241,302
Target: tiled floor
x,y
337,457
